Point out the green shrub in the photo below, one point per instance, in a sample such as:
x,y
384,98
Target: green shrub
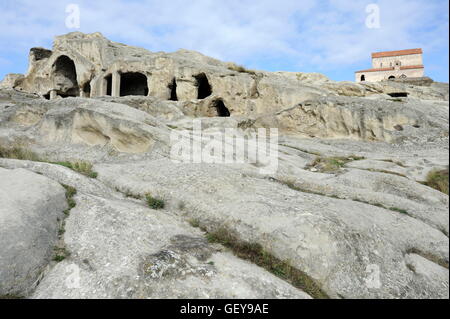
x,y
255,253
155,203
70,193
331,164
61,254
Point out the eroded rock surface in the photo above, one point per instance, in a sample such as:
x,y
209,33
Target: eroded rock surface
x,y
348,204
30,214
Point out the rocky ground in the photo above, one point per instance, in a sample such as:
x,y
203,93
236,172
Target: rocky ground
x,y
94,206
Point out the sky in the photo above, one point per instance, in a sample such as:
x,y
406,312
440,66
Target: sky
x,y
333,37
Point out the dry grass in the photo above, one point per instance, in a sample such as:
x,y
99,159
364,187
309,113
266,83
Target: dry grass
x,y
438,179
431,257
18,152
256,254
332,164
194,222
60,251
81,167
239,68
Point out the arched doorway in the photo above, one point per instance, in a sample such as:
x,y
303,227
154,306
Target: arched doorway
x,y
363,77
65,77
391,77
108,83
133,83
203,87
173,90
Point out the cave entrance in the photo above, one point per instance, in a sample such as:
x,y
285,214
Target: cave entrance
x,y
87,89
173,90
203,87
398,94
221,109
133,83
65,75
108,82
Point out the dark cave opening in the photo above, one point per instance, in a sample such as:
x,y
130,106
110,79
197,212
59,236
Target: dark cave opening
x,y
133,83
87,89
108,80
173,90
203,87
65,77
398,94
221,109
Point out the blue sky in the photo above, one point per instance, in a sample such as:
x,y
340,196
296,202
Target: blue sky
x,y
326,36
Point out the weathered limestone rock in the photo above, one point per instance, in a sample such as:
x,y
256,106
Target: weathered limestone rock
x,y
367,227
11,81
335,241
130,251
30,212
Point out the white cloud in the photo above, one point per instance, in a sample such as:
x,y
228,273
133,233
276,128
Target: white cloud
x,y
322,35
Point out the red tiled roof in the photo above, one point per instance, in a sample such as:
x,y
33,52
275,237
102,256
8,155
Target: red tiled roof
x,y
406,67
375,70
396,53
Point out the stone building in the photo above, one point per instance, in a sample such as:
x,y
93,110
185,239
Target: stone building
x,y
393,64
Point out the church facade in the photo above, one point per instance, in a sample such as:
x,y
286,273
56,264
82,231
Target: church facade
x,y
393,64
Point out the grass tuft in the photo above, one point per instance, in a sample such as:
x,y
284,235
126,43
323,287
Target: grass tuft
x,y
194,222
438,179
21,153
256,254
399,210
239,68
18,152
431,257
153,202
332,164
81,167
70,193
61,254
